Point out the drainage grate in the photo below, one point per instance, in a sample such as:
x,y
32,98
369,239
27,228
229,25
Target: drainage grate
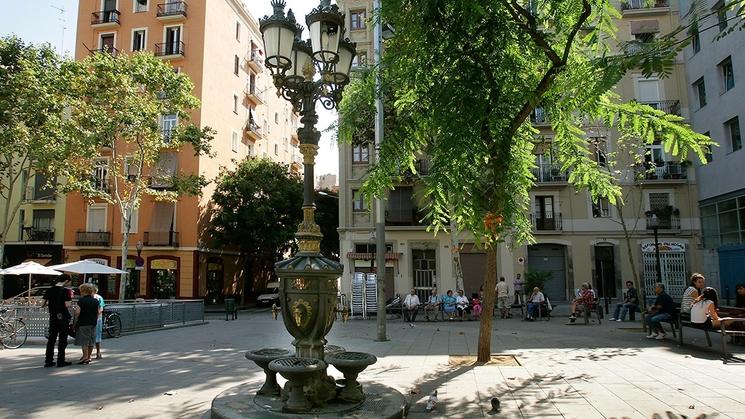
x,y
498,360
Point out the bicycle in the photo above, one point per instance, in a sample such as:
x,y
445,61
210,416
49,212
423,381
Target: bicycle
x,y
13,331
112,323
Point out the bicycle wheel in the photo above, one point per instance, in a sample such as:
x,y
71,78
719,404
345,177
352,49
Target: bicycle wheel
x,y
14,334
113,325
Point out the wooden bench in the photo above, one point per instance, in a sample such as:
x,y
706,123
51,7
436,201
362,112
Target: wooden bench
x,y
737,328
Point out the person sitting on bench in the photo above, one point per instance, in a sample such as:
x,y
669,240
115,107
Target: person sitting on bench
x,y
704,310
411,306
432,308
662,311
630,303
448,304
462,304
740,296
691,293
534,303
586,298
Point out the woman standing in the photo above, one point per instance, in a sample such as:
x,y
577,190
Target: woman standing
x,y
85,328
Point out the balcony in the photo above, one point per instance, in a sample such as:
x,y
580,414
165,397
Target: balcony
x,y
254,94
105,50
668,172
169,50
253,131
634,5
539,117
549,174
35,194
422,166
93,238
34,234
255,61
161,238
668,106
546,221
668,219
171,11
105,19
402,216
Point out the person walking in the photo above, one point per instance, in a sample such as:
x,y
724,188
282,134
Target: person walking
x,y
85,327
99,322
58,298
519,287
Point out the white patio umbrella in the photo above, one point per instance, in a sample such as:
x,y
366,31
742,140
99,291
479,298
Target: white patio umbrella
x,y
86,267
29,268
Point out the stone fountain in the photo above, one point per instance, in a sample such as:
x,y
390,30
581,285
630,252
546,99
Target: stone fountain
x,y
314,71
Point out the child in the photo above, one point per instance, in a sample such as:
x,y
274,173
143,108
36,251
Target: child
x,y
476,306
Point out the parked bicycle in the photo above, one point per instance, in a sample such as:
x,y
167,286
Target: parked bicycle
x,y
13,331
112,323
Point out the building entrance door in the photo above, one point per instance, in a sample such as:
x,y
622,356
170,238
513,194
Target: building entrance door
x,y
605,272
425,272
550,258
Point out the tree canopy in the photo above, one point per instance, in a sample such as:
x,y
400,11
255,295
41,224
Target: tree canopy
x,y
464,76
257,210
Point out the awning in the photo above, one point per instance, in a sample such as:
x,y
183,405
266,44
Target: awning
x,y
368,256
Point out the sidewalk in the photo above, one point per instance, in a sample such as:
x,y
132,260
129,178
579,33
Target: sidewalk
x,y
564,371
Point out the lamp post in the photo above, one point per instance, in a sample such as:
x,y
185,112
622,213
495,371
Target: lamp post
x,y
654,222
306,72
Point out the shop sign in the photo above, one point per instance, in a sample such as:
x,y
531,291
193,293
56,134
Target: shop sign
x,y
164,264
664,247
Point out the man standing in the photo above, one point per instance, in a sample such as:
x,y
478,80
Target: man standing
x,y
411,306
518,285
58,299
662,310
630,302
432,308
503,295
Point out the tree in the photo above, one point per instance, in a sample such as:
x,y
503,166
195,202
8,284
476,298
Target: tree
x,y
257,210
466,75
36,137
124,100
327,217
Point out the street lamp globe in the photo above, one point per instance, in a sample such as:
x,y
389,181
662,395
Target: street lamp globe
x,y
654,222
301,67
343,66
278,32
325,24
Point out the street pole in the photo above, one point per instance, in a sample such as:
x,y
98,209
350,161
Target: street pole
x,y
378,209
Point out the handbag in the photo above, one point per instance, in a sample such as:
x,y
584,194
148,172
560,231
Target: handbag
x,y
71,329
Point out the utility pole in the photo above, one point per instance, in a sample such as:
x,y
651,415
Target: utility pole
x,y
378,209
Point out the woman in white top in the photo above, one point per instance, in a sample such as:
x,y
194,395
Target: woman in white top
x,y
692,292
704,310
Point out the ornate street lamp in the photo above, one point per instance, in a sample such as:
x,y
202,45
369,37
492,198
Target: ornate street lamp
x,y
654,223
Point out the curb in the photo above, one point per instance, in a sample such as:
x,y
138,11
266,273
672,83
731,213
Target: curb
x,y
38,340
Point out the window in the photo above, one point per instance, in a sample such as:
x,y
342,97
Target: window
x,y
400,207
727,73
361,153
358,201
276,118
236,65
100,178
139,40
238,31
732,129
276,149
134,222
249,150
599,150
699,87
234,142
696,43
357,19
659,200
21,223
235,104
43,225
644,37
96,220
360,60
721,15
601,208
106,43
168,123
140,6
708,151
655,154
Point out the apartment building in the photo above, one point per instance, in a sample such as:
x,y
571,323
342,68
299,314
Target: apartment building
x,y
220,48
36,232
715,72
577,240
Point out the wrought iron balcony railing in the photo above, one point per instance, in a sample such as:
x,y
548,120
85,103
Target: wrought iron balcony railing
x,y
643,4
166,49
172,8
93,238
546,221
105,16
161,238
668,106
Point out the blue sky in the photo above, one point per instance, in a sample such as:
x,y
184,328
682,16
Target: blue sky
x,y
41,21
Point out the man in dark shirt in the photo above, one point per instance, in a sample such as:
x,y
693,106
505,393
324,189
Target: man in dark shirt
x,y
630,303
662,310
58,298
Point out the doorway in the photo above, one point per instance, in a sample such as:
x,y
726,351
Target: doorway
x,y
605,272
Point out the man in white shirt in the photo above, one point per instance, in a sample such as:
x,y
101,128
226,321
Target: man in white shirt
x,y
411,306
432,308
503,296
461,303
534,303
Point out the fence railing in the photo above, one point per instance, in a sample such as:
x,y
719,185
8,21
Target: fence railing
x,y
135,316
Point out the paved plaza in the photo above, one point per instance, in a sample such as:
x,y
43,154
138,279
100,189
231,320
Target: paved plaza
x,y
606,371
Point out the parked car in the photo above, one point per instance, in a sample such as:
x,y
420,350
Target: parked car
x,y
269,296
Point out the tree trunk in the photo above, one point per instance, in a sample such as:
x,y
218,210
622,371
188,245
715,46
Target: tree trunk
x,y
247,276
638,283
2,258
455,251
490,282
126,219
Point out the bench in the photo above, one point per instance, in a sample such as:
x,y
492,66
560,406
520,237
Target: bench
x,y
587,312
737,331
